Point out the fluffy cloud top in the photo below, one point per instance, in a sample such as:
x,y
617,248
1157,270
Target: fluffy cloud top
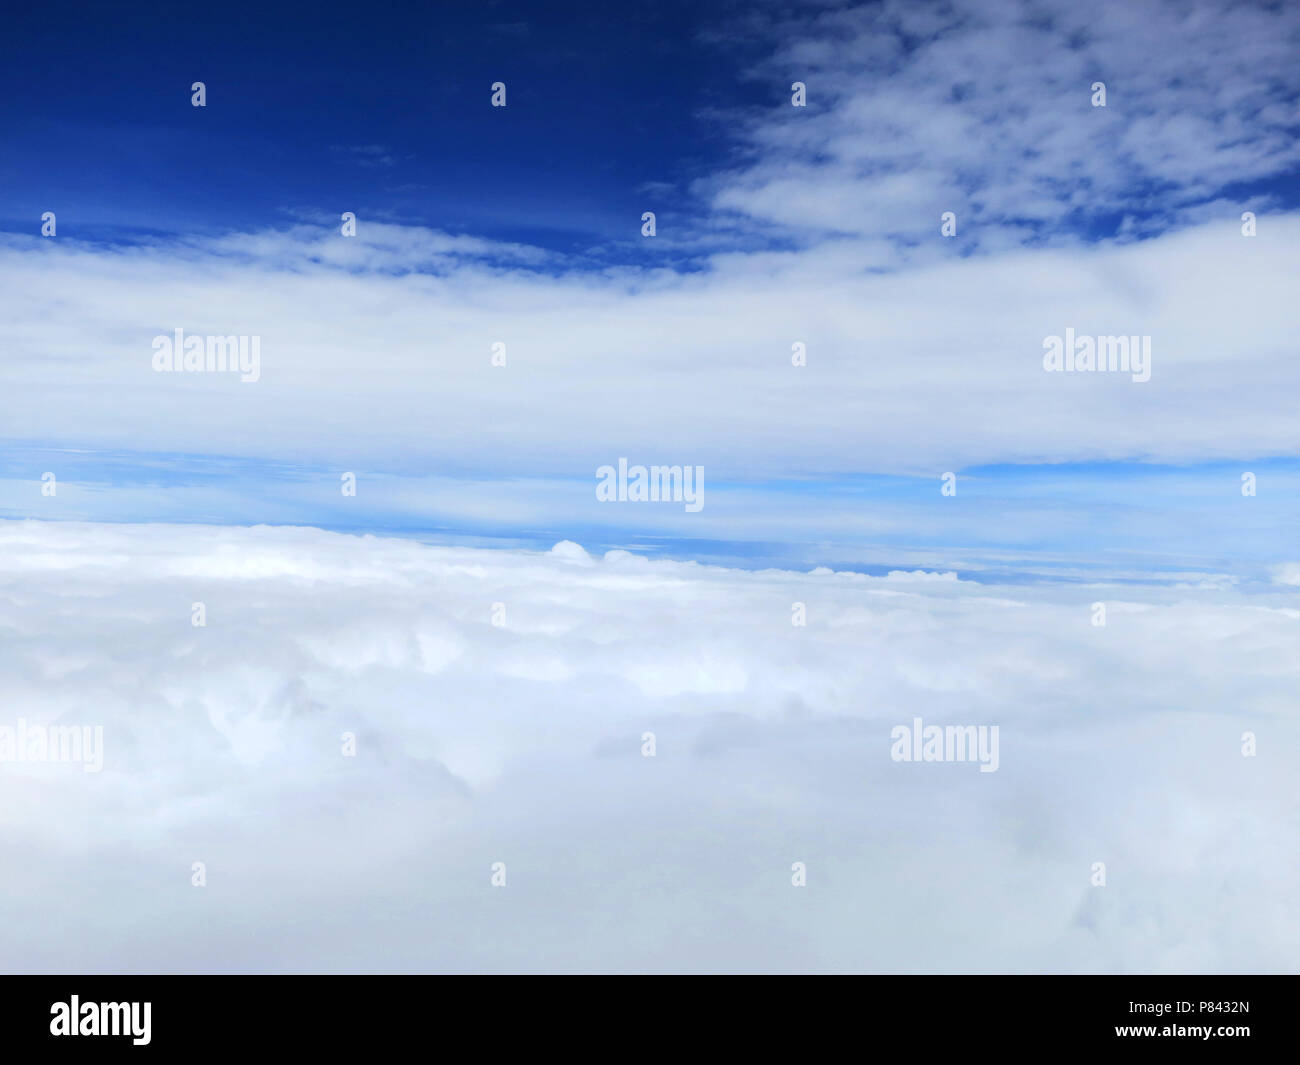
x,y
521,743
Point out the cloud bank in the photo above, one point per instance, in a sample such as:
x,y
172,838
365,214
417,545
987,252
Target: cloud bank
x,y
366,362
522,743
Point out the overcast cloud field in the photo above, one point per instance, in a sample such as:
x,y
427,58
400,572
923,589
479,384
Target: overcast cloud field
x,y
707,488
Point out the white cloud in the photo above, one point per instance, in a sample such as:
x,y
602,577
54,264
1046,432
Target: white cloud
x,y
985,109
521,744
931,368
1287,573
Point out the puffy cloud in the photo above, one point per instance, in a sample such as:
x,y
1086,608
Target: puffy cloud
x,y
986,109
521,742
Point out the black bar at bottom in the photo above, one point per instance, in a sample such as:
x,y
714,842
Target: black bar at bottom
x,y
1222,1015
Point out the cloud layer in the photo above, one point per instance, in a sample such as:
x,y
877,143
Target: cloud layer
x,y
521,743
939,367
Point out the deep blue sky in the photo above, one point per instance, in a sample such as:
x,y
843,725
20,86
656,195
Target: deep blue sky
x,y
603,99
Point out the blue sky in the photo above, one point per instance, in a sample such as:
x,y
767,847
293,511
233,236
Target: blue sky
x,y
376,111
775,225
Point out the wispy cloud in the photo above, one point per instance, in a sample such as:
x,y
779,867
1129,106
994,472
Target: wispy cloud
x,y
370,155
